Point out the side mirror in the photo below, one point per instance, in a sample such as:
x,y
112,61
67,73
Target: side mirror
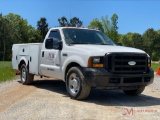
x,y
57,44
119,44
52,43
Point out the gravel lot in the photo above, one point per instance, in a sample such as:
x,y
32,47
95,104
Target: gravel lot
x,y
48,99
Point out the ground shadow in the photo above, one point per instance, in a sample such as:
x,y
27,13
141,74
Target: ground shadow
x,y
101,97
118,98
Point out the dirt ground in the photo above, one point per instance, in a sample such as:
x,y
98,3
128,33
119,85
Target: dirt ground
x,y
48,99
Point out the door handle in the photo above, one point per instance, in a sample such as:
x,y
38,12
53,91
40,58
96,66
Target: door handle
x,y
42,53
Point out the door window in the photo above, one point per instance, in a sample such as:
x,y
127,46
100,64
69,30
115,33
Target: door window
x,y
55,35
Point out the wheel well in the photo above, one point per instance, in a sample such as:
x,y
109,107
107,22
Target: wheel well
x,y
73,64
21,63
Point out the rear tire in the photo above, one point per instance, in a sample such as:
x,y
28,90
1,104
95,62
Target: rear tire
x,y
26,77
134,92
75,84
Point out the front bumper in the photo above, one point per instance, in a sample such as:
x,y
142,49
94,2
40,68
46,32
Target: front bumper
x,y
101,78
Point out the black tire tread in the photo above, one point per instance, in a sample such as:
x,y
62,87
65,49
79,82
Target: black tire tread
x,y
85,90
29,78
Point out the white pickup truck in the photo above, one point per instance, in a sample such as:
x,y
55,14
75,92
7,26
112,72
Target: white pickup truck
x,y
84,58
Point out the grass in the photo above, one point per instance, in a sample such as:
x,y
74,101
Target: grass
x,y
6,71
155,66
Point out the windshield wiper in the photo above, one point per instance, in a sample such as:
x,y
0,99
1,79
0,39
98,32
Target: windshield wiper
x,y
102,44
78,43
72,43
105,44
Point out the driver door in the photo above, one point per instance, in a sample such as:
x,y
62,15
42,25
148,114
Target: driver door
x,y
51,58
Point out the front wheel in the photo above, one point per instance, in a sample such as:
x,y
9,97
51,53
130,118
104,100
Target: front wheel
x,y
26,77
75,84
134,92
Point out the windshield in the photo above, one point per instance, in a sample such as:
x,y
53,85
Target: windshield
x,y
85,36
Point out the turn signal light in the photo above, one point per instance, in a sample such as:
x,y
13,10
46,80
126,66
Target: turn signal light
x,y
149,65
94,63
90,62
98,65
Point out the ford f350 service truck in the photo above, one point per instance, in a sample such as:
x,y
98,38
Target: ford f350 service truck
x,y
84,58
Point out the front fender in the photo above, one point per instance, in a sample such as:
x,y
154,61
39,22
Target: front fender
x,y
71,59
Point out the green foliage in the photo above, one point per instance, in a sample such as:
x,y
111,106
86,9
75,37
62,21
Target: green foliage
x,y
114,27
109,27
6,71
14,29
155,56
63,21
18,27
42,26
114,22
155,66
152,41
6,38
149,42
75,21
132,40
137,41
95,23
34,35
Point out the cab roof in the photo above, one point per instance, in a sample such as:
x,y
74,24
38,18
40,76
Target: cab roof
x,y
73,27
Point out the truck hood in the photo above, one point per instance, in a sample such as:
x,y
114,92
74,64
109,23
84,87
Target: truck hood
x,y
96,50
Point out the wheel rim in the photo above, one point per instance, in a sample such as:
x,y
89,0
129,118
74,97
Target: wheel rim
x,y
23,75
74,83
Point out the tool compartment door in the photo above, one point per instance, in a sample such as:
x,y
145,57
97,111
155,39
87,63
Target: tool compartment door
x,y
34,58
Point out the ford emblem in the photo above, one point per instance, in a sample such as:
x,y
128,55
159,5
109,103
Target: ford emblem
x,y
131,63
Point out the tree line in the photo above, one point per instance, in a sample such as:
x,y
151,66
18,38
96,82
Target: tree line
x,y
14,29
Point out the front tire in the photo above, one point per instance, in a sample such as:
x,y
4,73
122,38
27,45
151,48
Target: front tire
x,y
26,77
75,84
134,92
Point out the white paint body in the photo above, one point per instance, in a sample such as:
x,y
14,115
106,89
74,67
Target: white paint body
x,y
54,64
29,53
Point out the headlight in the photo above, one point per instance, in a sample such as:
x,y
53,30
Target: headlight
x,y
96,62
